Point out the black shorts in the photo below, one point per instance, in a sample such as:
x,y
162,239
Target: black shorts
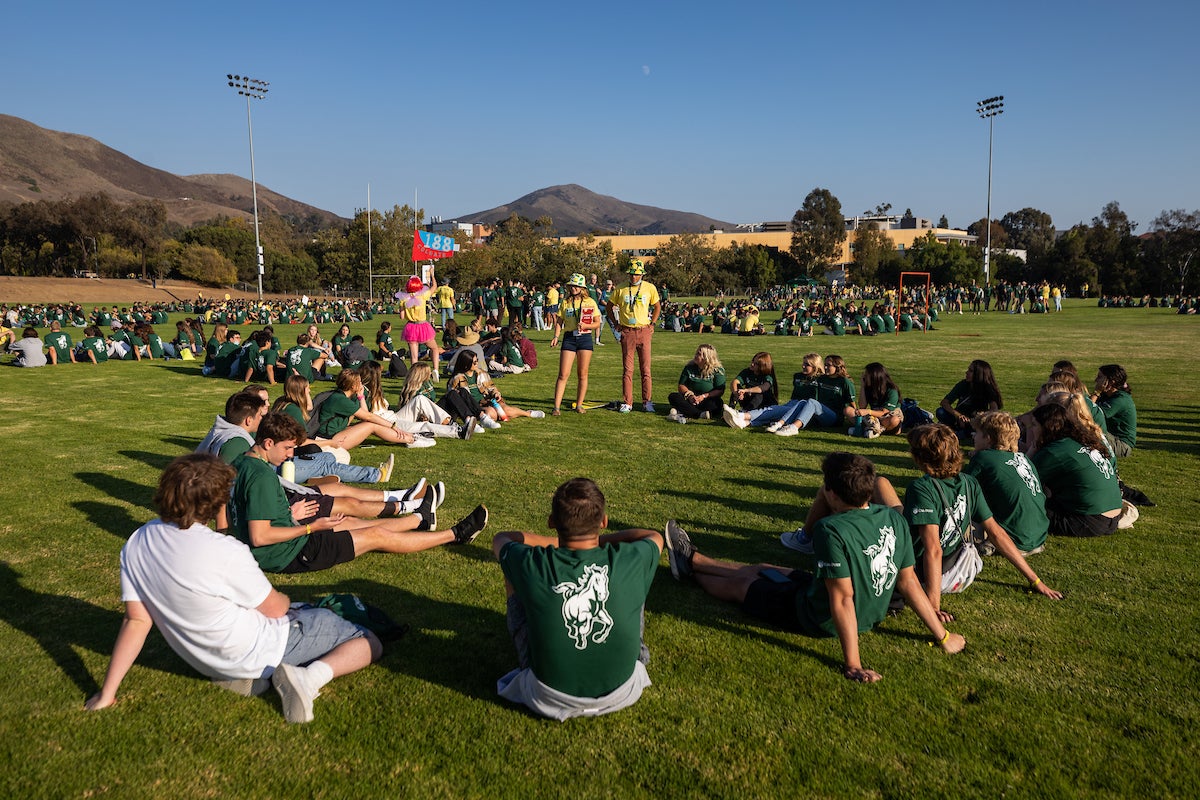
x,y
775,602
1081,524
324,504
323,550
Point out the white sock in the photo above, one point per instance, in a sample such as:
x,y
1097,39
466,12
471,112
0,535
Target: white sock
x,y
314,676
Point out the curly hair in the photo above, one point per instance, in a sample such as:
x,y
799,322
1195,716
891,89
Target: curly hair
x,y
935,450
192,489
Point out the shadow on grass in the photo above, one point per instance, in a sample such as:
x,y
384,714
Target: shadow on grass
x,y
460,646
60,625
119,488
188,445
109,517
158,461
735,506
181,367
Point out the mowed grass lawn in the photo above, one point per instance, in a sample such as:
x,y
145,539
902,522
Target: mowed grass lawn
x,y
1093,696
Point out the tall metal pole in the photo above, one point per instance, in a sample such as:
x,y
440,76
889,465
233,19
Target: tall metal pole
x,y
989,109
252,88
370,262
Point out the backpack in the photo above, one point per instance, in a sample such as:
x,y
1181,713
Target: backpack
x,y
314,416
352,609
914,415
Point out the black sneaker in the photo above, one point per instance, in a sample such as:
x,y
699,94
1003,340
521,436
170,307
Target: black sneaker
x,y
428,511
470,526
465,430
411,492
679,550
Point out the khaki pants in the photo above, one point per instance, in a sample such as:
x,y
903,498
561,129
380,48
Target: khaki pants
x,y
635,341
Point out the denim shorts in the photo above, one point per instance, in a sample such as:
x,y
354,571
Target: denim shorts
x,y
573,342
313,632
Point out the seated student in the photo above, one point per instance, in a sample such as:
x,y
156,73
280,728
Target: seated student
x,y
508,358
701,386
1115,398
575,608
225,360
93,348
826,400
864,552
754,387
348,403
940,507
469,376
439,424
880,401
215,607
119,347
59,347
339,341
1010,483
307,535
1077,470
384,346
524,345
835,324
28,349
417,406
303,360
976,392
354,354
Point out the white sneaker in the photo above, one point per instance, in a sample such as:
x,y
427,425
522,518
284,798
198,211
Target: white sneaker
x,y
624,408
489,423
296,698
774,426
734,418
673,414
648,407
787,430
421,441
681,419
537,414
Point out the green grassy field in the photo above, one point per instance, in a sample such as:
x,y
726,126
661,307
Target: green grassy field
x,y
1095,696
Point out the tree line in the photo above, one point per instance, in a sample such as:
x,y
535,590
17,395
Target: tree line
x,y
95,233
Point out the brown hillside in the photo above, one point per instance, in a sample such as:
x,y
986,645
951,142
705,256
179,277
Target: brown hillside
x,y
40,164
107,290
576,210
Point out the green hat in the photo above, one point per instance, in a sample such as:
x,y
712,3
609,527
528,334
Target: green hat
x,y
577,279
636,267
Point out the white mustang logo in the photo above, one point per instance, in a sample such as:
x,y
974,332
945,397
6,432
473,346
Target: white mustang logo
x,y
583,606
1028,474
883,564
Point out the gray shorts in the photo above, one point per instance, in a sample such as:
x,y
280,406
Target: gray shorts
x,y
313,632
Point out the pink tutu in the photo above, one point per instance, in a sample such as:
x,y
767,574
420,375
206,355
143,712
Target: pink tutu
x,y
419,332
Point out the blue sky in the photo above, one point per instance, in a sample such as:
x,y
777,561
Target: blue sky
x,y
731,110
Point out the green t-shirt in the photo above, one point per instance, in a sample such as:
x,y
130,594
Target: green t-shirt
x,y
1121,416
384,340
257,494
749,379
1013,491
512,355
867,545
830,391
60,343
1077,480
293,411
584,611
223,362
950,503
234,449
335,414
891,401
300,361
97,347
267,357
692,379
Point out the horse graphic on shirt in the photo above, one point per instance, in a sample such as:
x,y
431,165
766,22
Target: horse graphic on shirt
x,y
1100,462
1026,472
883,560
583,608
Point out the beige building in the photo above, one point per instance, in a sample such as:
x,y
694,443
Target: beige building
x,y
903,231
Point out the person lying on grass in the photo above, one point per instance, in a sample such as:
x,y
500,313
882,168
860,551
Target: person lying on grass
x,y
864,552
215,607
575,605
306,535
940,507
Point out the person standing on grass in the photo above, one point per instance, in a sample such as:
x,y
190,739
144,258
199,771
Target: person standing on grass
x,y
864,552
580,317
575,608
633,311
216,608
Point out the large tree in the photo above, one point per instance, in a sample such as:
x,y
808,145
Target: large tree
x,y
1175,244
872,247
818,230
1028,229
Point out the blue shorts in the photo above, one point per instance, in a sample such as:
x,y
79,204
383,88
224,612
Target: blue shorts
x,y
313,632
551,309
573,341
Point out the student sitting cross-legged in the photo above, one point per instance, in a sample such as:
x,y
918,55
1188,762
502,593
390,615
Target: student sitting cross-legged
x,y
575,606
863,551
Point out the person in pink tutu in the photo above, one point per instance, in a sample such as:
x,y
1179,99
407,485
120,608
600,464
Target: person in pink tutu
x,y
417,329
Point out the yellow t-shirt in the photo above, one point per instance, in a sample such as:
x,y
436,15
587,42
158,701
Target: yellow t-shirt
x,y
445,297
552,296
416,312
574,308
748,323
633,304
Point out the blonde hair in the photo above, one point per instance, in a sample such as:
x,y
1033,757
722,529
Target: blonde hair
x,y
1000,428
707,361
815,359
1077,410
418,374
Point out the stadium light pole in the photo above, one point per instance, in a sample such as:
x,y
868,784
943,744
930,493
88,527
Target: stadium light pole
x,y
252,89
989,109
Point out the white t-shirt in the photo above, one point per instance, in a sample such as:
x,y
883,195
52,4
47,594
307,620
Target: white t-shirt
x,y
202,589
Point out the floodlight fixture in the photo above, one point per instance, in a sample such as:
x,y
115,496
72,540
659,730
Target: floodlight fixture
x,y
989,109
252,88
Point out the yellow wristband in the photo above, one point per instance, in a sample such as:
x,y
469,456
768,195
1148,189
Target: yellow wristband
x,y
307,530
945,638
1036,581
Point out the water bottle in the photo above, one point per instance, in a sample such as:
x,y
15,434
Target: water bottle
x,y
287,470
499,410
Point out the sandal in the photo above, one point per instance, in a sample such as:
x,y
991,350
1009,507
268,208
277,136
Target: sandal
x,y
556,412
